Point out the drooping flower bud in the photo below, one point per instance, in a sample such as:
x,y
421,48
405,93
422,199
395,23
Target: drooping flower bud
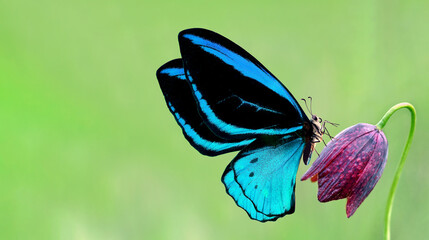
x,y
350,165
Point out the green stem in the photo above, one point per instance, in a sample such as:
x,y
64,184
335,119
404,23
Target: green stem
x,y
380,125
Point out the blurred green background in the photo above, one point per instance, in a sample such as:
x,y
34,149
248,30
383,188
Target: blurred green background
x,y
89,150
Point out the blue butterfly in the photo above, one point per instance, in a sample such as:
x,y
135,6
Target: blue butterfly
x,y
225,100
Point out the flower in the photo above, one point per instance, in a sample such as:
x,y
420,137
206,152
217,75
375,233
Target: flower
x,y
350,165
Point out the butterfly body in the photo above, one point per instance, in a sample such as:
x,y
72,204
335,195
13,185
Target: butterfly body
x,y
225,100
314,133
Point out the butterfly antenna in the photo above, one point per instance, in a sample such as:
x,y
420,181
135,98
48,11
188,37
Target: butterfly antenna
x,y
333,124
303,99
311,105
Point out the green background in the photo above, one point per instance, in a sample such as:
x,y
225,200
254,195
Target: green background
x,y
89,150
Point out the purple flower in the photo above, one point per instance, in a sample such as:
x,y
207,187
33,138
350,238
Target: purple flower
x,y
350,165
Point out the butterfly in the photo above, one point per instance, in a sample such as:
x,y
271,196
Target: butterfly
x,y
224,100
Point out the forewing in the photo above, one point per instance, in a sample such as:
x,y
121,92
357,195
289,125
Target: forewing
x,y
236,94
264,173
182,105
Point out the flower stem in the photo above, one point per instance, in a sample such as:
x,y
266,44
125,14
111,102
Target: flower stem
x,y
380,125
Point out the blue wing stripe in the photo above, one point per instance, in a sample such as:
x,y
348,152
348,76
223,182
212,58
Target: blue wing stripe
x,y
232,129
237,96
174,72
211,146
182,105
244,66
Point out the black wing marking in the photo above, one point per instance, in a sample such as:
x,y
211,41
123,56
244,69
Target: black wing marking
x,y
237,96
182,105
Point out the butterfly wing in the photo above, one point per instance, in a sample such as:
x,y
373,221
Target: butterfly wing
x,y
237,96
236,192
264,174
230,100
182,105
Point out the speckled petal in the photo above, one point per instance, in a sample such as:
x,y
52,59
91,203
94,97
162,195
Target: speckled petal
x,y
350,165
336,146
370,175
337,180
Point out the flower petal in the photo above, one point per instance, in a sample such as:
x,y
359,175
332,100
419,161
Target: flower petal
x,y
370,175
336,146
338,179
323,160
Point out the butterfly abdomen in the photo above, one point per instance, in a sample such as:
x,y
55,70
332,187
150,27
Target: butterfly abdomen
x,y
313,132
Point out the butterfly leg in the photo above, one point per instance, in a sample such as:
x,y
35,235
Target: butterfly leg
x,y
324,141
316,152
327,133
325,130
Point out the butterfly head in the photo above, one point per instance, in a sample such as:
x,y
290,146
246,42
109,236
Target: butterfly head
x,y
318,127
314,131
